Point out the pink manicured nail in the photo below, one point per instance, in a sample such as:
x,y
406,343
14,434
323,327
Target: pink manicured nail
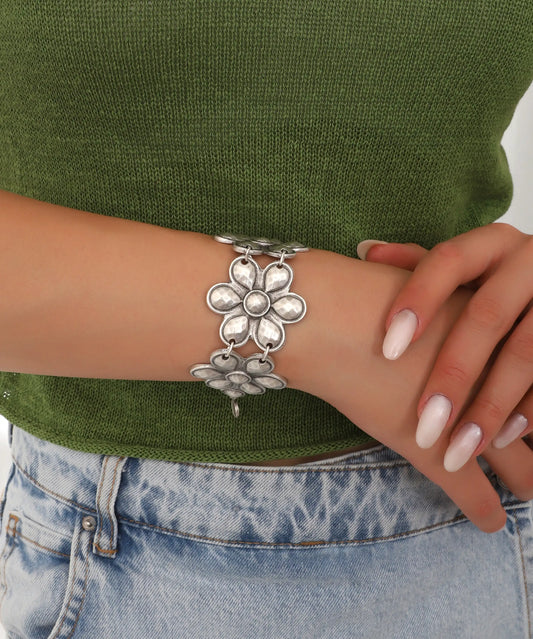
x,y
433,419
515,425
400,334
462,447
364,246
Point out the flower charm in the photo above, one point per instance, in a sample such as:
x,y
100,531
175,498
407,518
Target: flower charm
x,y
256,303
236,376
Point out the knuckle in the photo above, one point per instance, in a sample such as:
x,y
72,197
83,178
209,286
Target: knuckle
x,y
454,373
492,408
486,508
486,312
521,345
448,252
416,290
508,229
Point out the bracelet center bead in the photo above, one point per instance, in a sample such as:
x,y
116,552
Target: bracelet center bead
x,y
256,303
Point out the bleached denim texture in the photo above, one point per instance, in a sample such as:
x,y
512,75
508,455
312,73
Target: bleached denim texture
x,y
359,546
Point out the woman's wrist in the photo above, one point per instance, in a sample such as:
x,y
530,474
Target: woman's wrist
x,y
346,306
335,352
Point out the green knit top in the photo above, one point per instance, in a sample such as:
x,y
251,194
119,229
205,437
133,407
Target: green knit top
x,y
323,121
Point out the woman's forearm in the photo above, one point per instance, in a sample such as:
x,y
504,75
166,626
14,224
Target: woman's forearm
x,y
86,295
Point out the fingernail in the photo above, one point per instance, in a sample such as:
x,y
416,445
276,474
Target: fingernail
x,y
515,425
400,334
433,419
364,246
462,447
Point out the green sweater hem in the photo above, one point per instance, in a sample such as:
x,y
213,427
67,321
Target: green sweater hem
x,y
102,447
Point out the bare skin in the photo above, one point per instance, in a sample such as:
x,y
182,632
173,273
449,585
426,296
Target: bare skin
x,y
87,295
495,261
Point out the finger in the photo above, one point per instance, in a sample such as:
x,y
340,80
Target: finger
x,y
506,385
514,466
487,317
444,268
472,492
519,423
405,256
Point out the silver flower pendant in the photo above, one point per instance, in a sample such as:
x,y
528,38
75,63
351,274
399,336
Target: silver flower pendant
x,y
256,303
236,376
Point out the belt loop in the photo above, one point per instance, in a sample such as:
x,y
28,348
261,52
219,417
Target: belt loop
x,y
106,534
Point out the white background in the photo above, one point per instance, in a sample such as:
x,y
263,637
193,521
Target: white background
x,y
518,142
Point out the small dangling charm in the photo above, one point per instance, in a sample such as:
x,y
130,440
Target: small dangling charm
x,y
235,408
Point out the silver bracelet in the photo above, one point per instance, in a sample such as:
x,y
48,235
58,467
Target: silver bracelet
x,y
256,303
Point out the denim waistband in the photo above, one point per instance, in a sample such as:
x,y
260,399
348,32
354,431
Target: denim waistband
x,y
367,496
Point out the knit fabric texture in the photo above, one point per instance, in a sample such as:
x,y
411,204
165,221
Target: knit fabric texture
x,y
323,121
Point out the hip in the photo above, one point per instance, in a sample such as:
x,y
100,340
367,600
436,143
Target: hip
x,y
357,546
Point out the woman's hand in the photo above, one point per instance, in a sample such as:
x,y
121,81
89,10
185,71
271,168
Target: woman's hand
x,y
335,354
492,339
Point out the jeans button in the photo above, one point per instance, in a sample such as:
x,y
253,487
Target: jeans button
x,y
88,523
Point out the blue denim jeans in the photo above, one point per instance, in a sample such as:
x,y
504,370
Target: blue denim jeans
x,y
101,547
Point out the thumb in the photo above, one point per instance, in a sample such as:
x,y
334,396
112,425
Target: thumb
x,y
405,256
